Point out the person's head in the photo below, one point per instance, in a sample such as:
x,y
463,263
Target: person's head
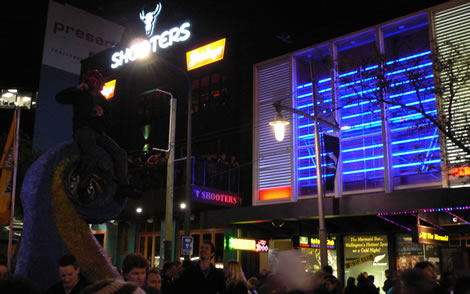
x,y
253,283
331,283
94,79
169,269
4,275
388,273
328,269
234,272
351,282
206,251
154,279
69,271
415,281
429,270
134,268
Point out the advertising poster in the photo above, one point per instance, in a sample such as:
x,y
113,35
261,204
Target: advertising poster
x,y
366,253
71,35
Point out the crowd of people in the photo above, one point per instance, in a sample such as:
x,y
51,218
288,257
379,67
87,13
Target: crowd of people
x,y
202,277
211,170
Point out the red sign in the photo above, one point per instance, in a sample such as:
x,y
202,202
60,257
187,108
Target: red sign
x,y
216,197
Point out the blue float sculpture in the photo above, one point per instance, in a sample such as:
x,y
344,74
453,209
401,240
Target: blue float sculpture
x,y
56,220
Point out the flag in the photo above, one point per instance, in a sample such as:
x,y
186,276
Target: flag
x,y
7,164
332,147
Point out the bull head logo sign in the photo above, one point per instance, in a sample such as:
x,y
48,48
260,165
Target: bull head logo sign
x,y
149,19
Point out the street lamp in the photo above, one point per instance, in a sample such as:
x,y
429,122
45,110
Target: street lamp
x,y
187,216
279,125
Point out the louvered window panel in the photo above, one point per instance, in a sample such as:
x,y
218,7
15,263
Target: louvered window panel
x,y
273,167
452,27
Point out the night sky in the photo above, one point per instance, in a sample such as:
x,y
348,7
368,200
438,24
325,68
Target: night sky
x,y
281,27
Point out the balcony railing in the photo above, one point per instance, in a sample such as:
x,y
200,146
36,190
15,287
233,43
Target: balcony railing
x,y
151,174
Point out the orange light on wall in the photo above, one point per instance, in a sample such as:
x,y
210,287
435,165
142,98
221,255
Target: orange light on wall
x,y
205,55
275,193
108,89
460,171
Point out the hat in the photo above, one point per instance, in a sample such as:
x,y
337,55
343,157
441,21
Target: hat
x,y
115,286
94,79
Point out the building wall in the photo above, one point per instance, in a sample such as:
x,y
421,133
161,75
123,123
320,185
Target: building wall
x,y
385,146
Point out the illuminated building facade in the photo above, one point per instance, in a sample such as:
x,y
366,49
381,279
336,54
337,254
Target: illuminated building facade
x,y
396,170
385,147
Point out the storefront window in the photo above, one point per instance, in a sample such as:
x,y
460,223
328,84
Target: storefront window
x,y
361,123
408,63
366,253
409,253
313,64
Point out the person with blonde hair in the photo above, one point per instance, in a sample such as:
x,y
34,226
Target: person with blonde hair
x,y
235,280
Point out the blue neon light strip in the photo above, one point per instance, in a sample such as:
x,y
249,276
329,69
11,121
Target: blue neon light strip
x,y
359,126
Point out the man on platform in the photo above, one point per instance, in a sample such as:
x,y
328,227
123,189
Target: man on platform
x,y
91,120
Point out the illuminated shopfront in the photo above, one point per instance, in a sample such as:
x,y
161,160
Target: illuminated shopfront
x,y
395,169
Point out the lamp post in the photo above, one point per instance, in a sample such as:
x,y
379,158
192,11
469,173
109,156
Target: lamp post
x,y
279,125
187,216
167,242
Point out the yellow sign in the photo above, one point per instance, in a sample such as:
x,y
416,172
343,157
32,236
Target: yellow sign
x,y
205,55
315,242
359,260
108,89
428,235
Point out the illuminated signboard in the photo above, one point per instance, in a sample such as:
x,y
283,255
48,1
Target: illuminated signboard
x,y
143,48
460,171
313,242
275,193
108,89
431,236
247,244
205,55
303,242
216,197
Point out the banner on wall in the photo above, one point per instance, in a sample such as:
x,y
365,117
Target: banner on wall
x,y
73,34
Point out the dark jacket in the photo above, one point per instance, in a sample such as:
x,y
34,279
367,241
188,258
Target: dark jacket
x,y
239,288
59,287
84,114
193,281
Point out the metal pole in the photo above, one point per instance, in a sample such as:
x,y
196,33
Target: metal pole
x,y
167,243
13,190
187,215
321,228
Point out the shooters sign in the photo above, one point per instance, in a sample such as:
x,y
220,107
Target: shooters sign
x,y
216,197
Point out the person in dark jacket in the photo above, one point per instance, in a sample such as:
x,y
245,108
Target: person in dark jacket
x,y
91,119
202,277
70,280
388,281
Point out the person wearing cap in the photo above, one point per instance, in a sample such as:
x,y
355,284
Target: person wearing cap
x,y
91,119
